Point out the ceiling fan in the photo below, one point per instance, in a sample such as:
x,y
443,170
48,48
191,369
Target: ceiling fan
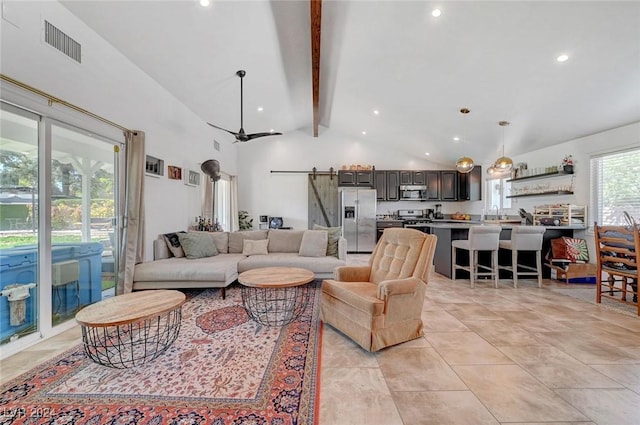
x,y
241,136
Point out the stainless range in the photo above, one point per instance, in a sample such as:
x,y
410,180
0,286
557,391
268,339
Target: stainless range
x,y
415,219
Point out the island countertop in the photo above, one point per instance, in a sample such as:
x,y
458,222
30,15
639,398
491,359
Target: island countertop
x,y
462,225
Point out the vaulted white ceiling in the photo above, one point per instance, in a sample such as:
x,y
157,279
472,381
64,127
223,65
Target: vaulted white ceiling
x,y
496,58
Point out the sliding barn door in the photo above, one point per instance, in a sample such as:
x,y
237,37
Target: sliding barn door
x,y
324,202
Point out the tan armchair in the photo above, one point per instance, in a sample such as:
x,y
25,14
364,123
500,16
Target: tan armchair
x,y
380,304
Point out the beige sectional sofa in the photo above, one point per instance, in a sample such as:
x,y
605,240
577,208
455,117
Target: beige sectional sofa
x,y
219,271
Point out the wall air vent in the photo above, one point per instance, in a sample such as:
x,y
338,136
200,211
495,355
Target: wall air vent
x,y
216,145
61,41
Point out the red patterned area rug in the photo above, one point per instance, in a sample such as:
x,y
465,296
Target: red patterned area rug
x,y
224,369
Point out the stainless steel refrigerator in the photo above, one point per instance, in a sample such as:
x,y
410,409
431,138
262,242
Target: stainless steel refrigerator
x,y
358,216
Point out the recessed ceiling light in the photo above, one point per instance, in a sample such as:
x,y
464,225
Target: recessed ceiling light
x,y
376,112
364,133
456,138
436,13
562,58
427,153
260,109
272,131
204,3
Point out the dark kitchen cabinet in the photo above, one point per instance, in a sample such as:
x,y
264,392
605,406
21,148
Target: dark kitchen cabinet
x,y
432,181
449,185
408,177
386,184
355,178
470,185
419,178
380,183
393,185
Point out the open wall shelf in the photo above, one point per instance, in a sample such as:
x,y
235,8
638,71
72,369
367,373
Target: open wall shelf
x,y
554,192
541,176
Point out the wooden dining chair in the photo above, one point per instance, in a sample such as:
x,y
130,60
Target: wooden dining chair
x,y
617,248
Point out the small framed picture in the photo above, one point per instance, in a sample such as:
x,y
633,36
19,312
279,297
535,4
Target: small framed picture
x,y
175,173
191,178
154,166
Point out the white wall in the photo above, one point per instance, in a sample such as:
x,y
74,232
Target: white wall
x,y
264,193
109,85
582,150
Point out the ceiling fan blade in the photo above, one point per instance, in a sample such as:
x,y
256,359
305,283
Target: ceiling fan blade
x,y
223,129
256,135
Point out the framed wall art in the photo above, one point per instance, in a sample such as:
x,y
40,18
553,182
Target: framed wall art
x,y
154,166
175,173
191,178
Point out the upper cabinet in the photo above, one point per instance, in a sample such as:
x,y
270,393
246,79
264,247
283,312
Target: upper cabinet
x,y
442,185
360,178
409,177
380,180
470,185
432,181
449,185
387,185
393,185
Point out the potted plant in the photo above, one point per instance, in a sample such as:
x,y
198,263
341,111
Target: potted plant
x,y
567,164
244,221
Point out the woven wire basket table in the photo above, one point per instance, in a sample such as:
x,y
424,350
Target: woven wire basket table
x,y
275,296
131,329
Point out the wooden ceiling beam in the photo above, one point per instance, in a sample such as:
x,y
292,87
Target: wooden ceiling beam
x,y
316,27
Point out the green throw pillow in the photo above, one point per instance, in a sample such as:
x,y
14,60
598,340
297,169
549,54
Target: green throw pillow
x,y
197,245
333,234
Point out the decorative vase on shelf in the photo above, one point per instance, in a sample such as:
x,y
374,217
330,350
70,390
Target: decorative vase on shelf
x,y
567,168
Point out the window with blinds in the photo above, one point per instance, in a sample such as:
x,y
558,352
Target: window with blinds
x,y
615,187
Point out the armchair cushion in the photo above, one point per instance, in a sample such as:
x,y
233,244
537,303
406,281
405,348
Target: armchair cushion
x,y
396,256
359,295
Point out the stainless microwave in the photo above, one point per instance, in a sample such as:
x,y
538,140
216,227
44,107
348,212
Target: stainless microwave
x,y
413,193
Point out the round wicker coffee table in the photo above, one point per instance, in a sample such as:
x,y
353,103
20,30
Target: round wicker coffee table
x,y
275,296
131,329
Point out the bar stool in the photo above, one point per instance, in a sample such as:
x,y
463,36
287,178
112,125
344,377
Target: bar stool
x,y
524,238
481,238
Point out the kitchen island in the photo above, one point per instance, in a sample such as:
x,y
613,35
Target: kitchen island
x,y
447,232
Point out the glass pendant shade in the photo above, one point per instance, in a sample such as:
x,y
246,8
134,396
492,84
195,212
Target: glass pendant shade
x,y
504,163
464,164
492,170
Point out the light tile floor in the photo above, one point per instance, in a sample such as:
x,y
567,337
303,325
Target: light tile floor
x,y
525,356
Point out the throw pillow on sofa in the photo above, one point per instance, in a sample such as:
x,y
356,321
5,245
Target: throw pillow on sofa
x,y
285,240
197,245
255,247
314,243
236,239
173,243
333,234
220,239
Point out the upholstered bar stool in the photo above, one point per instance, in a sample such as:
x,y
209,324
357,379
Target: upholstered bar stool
x,y
524,238
481,238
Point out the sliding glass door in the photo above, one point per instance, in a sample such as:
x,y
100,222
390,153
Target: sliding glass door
x,y
19,250
56,262
83,219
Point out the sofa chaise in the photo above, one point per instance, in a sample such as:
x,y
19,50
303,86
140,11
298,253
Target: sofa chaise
x,y
237,252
